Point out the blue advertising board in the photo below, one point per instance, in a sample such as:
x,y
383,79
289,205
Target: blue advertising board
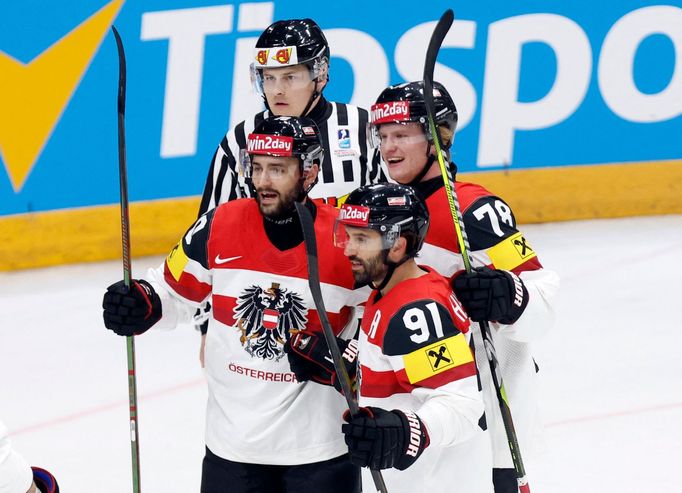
x,y
537,84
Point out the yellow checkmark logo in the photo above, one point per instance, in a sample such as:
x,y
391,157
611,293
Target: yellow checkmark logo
x,y
33,95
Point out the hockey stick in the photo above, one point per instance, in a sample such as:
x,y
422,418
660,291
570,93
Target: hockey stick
x,y
437,38
308,227
125,236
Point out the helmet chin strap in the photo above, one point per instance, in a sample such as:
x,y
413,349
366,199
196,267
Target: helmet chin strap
x,y
430,159
314,96
392,266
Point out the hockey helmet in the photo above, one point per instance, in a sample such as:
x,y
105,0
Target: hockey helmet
x,y
391,209
284,136
404,103
290,42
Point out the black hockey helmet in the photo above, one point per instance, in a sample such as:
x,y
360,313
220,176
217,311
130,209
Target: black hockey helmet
x,y
290,42
391,209
284,136
404,103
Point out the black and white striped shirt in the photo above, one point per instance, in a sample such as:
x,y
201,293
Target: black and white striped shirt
x,y
345,166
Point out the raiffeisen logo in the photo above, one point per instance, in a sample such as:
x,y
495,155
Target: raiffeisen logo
x,y
33,95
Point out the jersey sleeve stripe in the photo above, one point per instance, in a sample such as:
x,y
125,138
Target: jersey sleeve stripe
x,y
187,286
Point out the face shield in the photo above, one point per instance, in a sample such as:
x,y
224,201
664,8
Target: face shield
x,y
397,133
291,77
274,169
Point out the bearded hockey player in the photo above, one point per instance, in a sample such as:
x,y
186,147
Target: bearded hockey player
x,y
264,430
424,412
510,288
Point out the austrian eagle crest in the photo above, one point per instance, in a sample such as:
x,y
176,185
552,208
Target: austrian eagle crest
x,y
266,319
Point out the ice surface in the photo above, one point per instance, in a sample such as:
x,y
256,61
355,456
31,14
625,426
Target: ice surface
x,y
612,366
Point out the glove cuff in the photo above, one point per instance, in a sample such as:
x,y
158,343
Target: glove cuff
x,y
416,439
519,299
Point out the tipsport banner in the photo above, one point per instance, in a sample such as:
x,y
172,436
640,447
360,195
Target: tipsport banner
x,y
537,84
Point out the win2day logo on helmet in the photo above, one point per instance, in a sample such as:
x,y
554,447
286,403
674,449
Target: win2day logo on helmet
x,y
394,111
354,215
274,145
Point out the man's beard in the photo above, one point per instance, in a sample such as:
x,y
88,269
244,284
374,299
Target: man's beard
x,y
283,208
374,269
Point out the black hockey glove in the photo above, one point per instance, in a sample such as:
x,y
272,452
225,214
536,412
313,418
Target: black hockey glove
x,y
380,439
494,295
45,481
310,358
131,312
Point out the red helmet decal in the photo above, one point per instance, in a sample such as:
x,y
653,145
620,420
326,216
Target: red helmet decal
x,y
273,145
393,111
262,57
283,56
354,215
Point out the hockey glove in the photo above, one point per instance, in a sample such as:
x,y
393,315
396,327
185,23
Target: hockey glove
x,y
45,481
131,312
310,358
380,439
494,295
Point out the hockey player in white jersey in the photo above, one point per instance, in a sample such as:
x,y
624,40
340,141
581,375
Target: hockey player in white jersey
x,y
509,287
265,431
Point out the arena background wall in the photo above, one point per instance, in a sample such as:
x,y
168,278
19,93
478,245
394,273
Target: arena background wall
x,y
568,110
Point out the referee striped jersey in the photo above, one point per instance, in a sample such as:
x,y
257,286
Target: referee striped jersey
x,y
345,167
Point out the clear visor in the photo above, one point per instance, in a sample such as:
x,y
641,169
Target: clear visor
x,y
267,80
398,133
373,237
275,169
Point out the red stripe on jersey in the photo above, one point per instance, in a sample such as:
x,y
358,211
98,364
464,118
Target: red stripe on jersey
x,y
223,311
381,384
188,286
453,374
528,265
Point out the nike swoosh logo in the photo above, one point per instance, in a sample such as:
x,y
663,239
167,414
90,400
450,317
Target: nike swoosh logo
x,y
221,261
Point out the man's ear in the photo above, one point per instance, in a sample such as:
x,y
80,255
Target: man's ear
x,y
311,177
397,251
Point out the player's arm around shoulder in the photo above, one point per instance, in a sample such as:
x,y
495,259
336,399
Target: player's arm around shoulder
x,y
515,291
428,341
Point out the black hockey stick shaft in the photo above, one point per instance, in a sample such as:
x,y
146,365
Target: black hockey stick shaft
x,y
308,227
125,238
437,38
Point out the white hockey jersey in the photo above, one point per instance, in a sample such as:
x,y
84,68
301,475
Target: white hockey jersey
x,y
257,412
496,242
